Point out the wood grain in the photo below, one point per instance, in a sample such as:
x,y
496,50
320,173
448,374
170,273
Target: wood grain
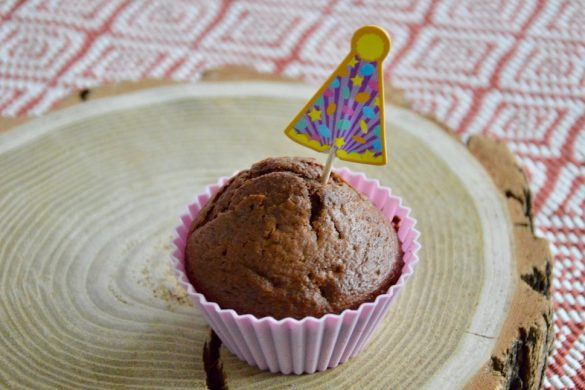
x,y
90,205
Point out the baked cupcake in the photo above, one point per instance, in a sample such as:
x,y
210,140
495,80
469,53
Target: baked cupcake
x,y
292,275
294,268
276,242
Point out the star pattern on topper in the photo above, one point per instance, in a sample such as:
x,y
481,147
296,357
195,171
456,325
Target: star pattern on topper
x,y
315,115
346,117
352,62
339,142
357,81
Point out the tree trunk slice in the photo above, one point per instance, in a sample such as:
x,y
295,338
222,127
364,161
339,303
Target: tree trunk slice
x,y
89,197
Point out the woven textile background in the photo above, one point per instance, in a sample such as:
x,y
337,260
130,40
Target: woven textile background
x,y
514,70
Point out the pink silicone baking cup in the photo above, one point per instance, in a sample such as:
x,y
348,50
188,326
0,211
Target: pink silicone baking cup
x,y
310,344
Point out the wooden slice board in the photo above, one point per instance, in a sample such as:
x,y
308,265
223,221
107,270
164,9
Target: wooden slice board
x,y
90,194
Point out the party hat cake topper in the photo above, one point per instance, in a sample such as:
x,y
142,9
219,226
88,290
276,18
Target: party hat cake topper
x,y
346,115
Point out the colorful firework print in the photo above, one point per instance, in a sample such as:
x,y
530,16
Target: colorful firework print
x,y
347,113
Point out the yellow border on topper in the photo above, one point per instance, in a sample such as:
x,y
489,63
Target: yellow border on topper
x,y
360,43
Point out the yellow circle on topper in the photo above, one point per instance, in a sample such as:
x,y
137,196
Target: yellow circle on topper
x,y
371,43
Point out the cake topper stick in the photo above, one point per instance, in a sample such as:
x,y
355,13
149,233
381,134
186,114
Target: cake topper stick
x,y
346,115
328,166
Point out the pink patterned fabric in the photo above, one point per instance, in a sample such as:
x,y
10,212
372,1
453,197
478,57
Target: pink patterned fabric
x,y
510,69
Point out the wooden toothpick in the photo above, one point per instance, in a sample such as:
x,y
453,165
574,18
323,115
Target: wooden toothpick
x,y
328,166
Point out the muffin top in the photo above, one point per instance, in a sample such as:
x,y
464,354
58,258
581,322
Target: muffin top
x,y
276,242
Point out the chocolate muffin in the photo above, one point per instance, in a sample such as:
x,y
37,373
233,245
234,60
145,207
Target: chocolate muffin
x,y
276,242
